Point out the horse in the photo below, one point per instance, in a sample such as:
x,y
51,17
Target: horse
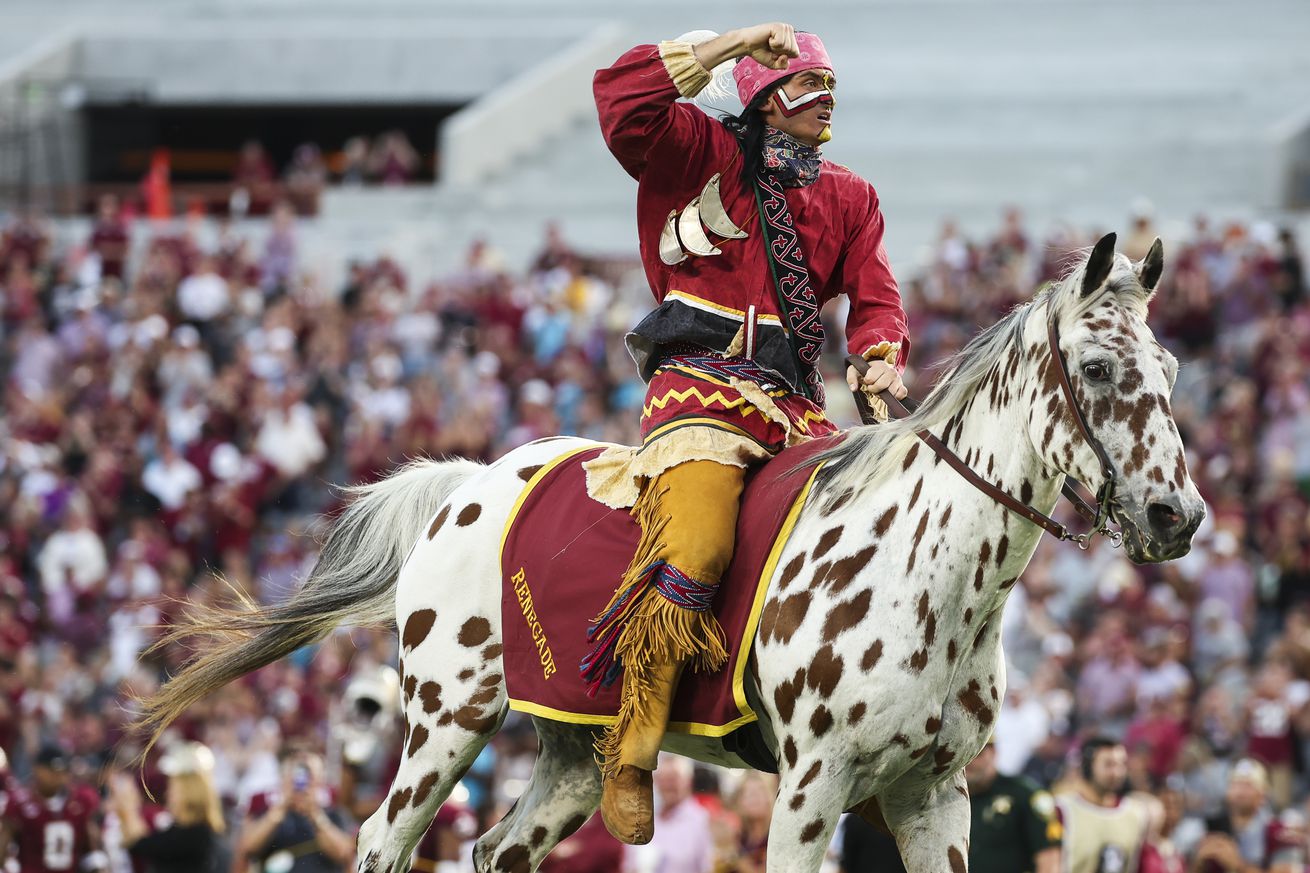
x,y
877,662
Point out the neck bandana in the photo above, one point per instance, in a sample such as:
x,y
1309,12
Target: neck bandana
x,y
789,160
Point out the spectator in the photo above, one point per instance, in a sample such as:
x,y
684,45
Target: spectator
x,y
1108,682
1022,726
590,850
1013,827
262,402
1104,830
191,841
393,161
683,842
305,178
51,826
866,849
169,478
278,265
1246,836
354,161
1270,712
1289,283
1229,579
253,176
289,437
110,239
72,564
1161,676
752,803
442,846
203,296
297,830
1159,855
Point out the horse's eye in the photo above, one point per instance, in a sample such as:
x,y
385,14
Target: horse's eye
x,y
1096,372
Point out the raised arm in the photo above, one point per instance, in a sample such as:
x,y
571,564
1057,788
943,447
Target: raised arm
x,y
637,96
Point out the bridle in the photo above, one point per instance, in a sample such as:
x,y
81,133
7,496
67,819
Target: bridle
x,y
1098,515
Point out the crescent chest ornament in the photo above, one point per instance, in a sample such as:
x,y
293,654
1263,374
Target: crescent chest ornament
x,y
685,234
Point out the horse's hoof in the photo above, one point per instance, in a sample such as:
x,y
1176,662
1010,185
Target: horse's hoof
x,y
627,807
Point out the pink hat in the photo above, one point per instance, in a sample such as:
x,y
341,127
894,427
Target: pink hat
x,y
753,77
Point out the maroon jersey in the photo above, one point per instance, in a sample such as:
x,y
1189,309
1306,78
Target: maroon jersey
x,y
1270,730
590,850
52,835
453,817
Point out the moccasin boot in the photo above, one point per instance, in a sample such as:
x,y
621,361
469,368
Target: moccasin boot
x,y
626,804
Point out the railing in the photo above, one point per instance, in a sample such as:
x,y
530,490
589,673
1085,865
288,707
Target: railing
x,y
41,145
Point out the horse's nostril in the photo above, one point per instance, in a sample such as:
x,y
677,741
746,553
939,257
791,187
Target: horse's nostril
x,y
1163,517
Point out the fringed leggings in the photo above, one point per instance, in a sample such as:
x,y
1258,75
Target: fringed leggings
x,y
660,615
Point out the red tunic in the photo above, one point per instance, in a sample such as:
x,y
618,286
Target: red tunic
x,y
673,149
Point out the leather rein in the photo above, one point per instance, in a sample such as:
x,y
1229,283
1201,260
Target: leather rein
x,y
1098,515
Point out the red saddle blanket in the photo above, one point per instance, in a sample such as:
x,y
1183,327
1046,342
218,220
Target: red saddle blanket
x,y
562,556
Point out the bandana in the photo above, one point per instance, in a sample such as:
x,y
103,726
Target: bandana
x,y
790,161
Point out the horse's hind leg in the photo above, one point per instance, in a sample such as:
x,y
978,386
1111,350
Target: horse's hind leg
x,y
562,794
435,758
448,722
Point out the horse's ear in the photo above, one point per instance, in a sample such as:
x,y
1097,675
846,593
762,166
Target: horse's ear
x,y
1099,264
1151,266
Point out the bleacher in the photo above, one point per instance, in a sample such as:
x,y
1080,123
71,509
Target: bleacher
x,y
1069,110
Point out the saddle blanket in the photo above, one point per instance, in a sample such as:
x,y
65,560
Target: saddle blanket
x,y
563,554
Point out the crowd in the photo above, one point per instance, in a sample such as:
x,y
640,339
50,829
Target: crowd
x,y
173,419
387,159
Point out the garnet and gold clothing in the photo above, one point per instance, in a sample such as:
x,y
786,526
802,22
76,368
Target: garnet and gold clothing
x,y
454,825
705,391
590,850
1101,839
52,834
730,355
673,150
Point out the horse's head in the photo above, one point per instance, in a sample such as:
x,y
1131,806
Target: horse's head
x,y
1121,380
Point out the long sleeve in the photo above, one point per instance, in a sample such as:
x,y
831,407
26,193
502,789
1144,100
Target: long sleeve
x,y
877,326
636,99
176,844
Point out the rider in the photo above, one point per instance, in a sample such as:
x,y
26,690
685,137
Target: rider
x,y
730,353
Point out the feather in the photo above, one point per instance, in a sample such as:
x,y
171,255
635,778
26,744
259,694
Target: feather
x,y
720,95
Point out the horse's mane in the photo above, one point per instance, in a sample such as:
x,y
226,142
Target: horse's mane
x,y
871,453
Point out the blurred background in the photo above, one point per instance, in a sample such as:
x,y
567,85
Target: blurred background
x,y
253,248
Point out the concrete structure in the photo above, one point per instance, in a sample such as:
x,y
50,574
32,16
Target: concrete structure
x,y
1069,110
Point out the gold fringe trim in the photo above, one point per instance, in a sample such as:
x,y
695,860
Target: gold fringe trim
x,y
770,410
617,475
656,636
876,404
883,351
737,348
689,77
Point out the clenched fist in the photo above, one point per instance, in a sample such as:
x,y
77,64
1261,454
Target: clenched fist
x,y
773,45
882,376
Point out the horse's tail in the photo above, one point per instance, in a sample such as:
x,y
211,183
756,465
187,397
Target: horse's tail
x,y
354,580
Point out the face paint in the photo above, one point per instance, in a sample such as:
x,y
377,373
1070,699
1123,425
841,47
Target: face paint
x,y
789,107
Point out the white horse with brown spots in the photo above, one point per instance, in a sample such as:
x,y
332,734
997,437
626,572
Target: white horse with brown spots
x,y
879,666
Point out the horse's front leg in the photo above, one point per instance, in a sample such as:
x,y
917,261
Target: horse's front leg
x,y
931,826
